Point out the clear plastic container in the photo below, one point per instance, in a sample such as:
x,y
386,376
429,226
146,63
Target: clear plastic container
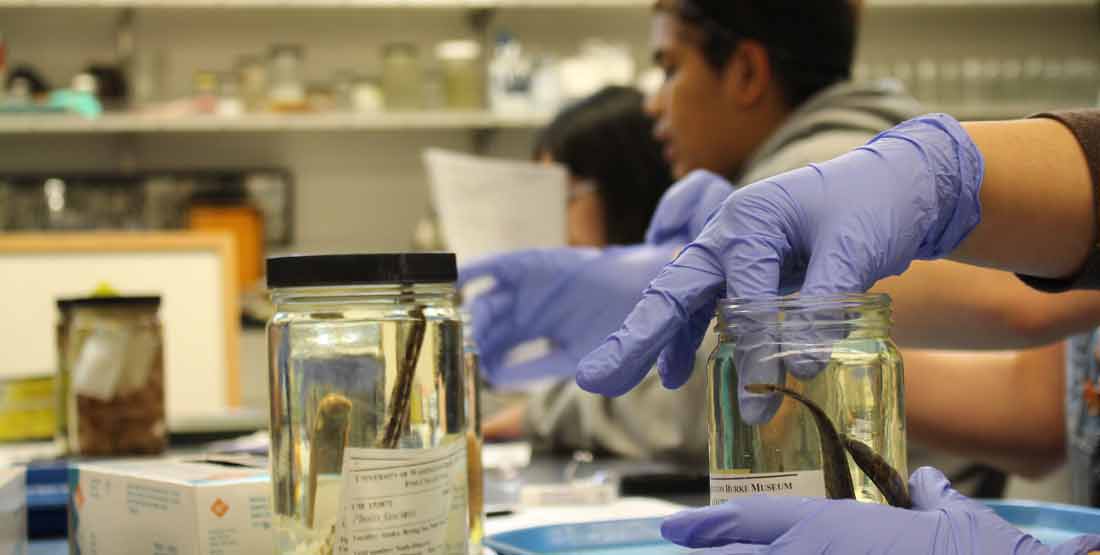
x,y
369,428
859,388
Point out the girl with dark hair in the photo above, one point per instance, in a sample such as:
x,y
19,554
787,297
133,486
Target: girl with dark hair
x,y
616,169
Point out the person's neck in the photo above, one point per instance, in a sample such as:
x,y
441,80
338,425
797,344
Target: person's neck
x,y
760,124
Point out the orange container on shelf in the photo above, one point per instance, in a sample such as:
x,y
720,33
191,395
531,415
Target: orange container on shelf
x,y
245,223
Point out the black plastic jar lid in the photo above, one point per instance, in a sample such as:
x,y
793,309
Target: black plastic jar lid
x,y
361,269
107,302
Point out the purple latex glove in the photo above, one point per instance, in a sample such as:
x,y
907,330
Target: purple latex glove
x,y
942,522
573,297
686,207
840,226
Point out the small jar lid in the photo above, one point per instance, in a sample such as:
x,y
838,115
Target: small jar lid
x,y
361,269
107,302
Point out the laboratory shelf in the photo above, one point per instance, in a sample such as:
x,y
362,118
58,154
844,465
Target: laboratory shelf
x,y
382,121
392,4
142,123
476,4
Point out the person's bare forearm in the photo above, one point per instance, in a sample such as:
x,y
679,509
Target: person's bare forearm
x,y
949,305
1004,409
1038,212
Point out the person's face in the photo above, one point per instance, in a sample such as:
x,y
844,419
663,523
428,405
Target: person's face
x,y
584,225
584,214
699,111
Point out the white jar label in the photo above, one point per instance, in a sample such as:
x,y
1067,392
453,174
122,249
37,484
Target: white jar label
x,y
726,486
403,502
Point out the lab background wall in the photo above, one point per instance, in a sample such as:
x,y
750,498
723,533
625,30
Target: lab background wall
x,y
365,190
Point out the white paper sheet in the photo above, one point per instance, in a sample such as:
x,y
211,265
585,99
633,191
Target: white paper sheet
x,y
488,206
627,507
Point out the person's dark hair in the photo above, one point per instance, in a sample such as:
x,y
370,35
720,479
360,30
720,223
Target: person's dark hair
x,y
810,43
608,139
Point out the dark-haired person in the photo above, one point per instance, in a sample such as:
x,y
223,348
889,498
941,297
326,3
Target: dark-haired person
x,y
617,175
763,89
616,171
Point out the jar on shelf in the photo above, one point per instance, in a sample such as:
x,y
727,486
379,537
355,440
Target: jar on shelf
x,y
462,73
286,84
205,86
366,95
252,76
111,376
368,400
770,442
402,77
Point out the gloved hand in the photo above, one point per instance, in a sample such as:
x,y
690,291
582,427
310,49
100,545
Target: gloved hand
x,y
942,522
573,297
840,226
685,208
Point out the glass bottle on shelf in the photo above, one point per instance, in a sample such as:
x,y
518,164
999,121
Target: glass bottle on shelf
x,y
252,75
287,87
402,77
462,75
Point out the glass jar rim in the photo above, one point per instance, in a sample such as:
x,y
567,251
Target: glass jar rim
x,y
802,302
840,311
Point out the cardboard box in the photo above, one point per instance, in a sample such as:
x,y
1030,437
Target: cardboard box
x,y
13,511
169,507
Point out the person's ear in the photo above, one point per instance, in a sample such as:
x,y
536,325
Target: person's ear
x,y
748,75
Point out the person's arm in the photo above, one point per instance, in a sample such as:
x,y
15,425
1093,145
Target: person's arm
x,y
949,305
1005,409
1016,196
1037,207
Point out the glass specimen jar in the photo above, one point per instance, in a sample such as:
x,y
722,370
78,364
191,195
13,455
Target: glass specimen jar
x,y
111,376
836,352
368,405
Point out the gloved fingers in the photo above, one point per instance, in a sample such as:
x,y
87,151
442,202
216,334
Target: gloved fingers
x,y
757,519
686,206
734,549
834,268
1079,546
503,268
494,325
689,283
931,490
678,359
757,360
491,309
809,337
557,364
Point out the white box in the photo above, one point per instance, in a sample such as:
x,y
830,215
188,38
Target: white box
x,y
169,507
13,511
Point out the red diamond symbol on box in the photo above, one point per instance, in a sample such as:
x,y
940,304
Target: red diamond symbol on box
x,y
219,508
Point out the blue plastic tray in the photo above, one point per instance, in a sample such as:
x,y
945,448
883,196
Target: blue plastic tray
x,y
1050,523
615,537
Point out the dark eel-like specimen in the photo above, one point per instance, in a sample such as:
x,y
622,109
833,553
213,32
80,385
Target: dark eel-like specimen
x,y
838,479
